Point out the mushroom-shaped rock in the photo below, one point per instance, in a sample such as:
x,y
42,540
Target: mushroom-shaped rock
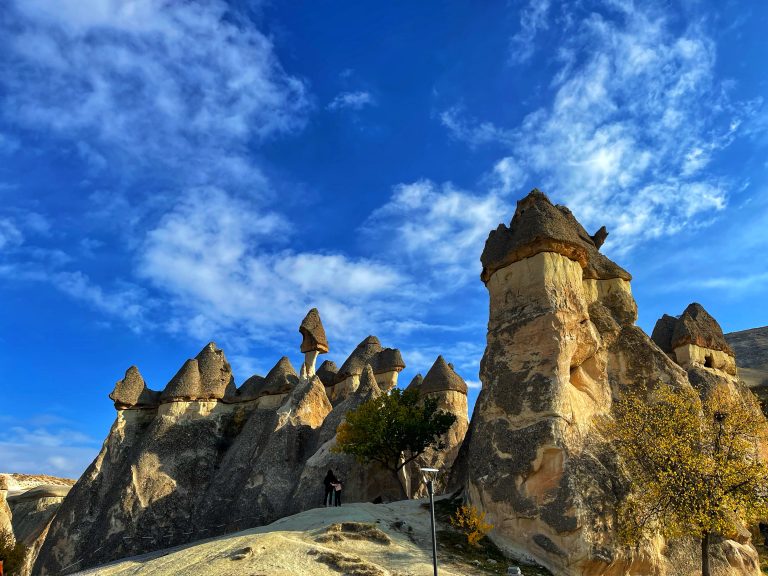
x,y
540,226
415,383
132,391
441,377
362,355
696,326
206,377
388,360
327,372
694,339
313,333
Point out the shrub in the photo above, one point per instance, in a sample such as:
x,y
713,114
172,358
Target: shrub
x,y
471,523
12,553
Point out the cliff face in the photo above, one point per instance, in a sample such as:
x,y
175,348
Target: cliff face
x,y
751,349
203,458
561,345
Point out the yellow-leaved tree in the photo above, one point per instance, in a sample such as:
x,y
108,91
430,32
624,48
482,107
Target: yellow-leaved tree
x,y
694,468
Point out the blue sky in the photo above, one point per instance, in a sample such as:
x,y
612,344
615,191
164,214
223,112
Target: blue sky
x,y
178,172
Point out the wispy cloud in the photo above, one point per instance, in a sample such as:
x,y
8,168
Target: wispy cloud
x,y
533,18
45,445
352,100
439,224
634,120
182,86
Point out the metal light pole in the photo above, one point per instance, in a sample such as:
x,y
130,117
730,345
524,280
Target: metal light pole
x,y
429,476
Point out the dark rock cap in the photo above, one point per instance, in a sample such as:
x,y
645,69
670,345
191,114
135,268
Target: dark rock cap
x,y
540,226
362,355
280,380
441,377
250,389
694,326
327,373
313,333
388,360
132,391
697,326
415,382
206,377
662,332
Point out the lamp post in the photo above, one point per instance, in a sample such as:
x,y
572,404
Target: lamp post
x,y
429,476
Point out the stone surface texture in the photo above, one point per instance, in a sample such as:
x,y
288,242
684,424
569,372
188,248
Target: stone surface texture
x,y
207,458
561,345
313,333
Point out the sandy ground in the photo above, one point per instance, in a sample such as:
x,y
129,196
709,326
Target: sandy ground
x,y
289,547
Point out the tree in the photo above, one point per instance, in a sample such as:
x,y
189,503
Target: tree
x,y
393,429
12,553
695,468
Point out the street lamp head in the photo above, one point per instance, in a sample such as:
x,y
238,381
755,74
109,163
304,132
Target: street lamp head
x,y
429,473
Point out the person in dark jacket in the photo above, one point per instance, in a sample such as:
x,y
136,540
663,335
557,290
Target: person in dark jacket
x,y
337,492
329,481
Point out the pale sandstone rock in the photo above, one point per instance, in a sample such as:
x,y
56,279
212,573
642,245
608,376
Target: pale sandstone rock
x,y
561,346
34,510
5,511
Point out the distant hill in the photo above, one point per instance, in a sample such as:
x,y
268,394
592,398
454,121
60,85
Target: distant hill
x,y
751,348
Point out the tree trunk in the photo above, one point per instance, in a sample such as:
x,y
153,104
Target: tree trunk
x,y
705,554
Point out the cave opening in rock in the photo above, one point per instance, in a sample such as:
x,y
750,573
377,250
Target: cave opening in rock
x,y
709,361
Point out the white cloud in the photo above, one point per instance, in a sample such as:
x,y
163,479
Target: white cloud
x,y
169,85
439,224
213,258
634,121
45,446
352,100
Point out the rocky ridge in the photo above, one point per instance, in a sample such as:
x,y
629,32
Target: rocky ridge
x,y
203,457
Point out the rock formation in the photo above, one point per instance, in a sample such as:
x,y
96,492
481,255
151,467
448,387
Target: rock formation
x,y
386,363
561,345
314,341
751,349
5,511
694,339
202,457
450,391
33,511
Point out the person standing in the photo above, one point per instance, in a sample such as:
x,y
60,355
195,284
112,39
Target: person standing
x,y
337,493
329,482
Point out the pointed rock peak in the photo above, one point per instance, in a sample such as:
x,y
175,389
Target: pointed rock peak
x,y
598,238
132,391
388,360
327,372
251,388
368,387
186,383
313,333
540,226
362,355
282,368
662,332
441,377
416,382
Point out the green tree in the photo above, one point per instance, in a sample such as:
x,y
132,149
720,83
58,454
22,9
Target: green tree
x,y
695,468
393,430
12,553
